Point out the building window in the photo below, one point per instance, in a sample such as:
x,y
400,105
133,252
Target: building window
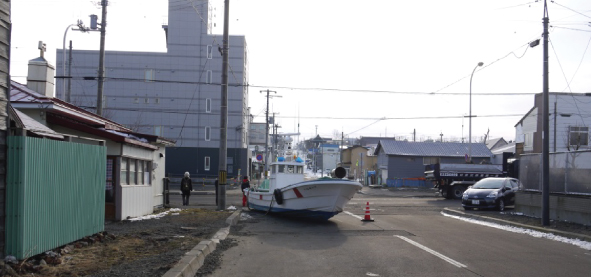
x,y
528,140
147,173
157,101
149,75
208,77
208,105
140,172
207,163
132,172
124,171
136,101
209,51
578,136
147,100
207,133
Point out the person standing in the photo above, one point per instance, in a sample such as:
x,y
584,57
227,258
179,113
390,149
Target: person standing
x,y
245,185
186,188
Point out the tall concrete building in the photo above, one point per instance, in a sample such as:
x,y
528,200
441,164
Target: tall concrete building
x,y
175,94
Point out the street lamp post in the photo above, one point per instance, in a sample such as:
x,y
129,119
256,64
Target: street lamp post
x,y
470,116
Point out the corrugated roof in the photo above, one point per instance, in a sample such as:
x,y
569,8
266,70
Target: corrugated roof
x,y
31,125
21,95
433,149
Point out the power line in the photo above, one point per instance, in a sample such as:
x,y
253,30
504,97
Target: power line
x,y
571,9
300,88
567,82
573,29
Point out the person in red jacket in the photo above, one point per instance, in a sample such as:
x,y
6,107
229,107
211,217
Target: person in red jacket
x,y
245,185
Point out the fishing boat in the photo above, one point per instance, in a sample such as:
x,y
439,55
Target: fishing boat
x,y
287,192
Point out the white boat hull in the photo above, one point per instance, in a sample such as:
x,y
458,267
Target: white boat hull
x,y
320,199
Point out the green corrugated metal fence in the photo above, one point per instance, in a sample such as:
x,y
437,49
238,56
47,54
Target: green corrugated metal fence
x,y
55,194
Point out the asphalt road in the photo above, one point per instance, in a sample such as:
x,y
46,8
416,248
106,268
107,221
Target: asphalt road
x,y
409,237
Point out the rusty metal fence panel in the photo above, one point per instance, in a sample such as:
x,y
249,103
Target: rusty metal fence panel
x,y
569,172
55,194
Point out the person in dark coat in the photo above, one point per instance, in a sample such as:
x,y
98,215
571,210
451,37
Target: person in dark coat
x,y
186,188
245,185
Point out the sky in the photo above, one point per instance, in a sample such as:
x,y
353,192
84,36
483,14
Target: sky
x,y
359,68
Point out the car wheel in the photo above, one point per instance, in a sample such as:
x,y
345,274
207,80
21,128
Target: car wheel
x,y
501,205
443,192
457,191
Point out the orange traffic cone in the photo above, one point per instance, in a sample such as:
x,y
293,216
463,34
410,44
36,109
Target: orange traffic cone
x,y
367,217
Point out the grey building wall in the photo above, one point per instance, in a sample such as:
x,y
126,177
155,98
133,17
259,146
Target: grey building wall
x,y
413,167
405,167
5,29
175,94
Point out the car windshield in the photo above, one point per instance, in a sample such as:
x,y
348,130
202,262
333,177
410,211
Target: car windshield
x,y
489,184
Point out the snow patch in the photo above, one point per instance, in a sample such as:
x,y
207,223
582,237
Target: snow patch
x,y
155,216
244,216
232,208
577,242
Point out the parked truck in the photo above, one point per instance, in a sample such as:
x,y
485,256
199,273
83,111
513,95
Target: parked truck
x,y
453,179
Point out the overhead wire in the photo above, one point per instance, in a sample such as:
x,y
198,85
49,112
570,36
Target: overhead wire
x,y
567,82
554,2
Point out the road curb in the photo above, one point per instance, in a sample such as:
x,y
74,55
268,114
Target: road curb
x,y
519,225
194,259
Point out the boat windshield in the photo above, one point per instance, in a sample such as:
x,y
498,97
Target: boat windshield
x,y
264,185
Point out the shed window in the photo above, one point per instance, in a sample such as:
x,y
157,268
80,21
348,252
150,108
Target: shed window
x,y
124,171
132,172
147,173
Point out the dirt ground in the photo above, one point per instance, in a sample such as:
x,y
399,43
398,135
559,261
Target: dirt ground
x,y
129,248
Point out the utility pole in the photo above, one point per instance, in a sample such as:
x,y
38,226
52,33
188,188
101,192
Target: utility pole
x,y
414,135
101,69
267,131
546,133
224,113
69,91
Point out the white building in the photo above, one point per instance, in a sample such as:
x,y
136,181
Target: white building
x,y
568,123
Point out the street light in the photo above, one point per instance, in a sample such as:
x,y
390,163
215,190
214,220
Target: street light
x,y
470,117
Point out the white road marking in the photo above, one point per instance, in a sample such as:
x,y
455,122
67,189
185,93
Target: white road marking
x,y
441,256
371,274
353,215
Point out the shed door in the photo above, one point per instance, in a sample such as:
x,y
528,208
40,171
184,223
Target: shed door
x,y
110,189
